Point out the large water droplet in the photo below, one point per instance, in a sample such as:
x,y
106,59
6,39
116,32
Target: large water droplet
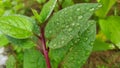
x,y
99,5
73,24
91,43
62,42
80,17
50,32
92,9
54,45
78,9
70,29
86,39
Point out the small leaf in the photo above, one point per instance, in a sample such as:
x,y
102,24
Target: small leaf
x,y
110,27
22,43
106,6
3,40
81,49
65,24
11,62
36,15
101,46
16,26
67,3
47,10
33,59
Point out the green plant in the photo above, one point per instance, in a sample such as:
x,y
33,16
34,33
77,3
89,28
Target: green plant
x,y
64,39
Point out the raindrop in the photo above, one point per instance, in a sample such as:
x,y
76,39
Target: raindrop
x,y
92,9
92,43
50,32
73,24
77,24
80,17
62,42
76,41
54,45
86,39
99,5
67,26
78,9
70,29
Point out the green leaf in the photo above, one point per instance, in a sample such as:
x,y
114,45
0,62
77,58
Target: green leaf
x,y
47,10
67,3
56,55
81,49
106,6
16,26
111,28
41,1
22,43
33,59
65,24
100,45
11,62
3,40
36,15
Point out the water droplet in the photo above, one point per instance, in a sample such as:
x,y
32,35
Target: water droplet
x,y
78,9
50,32
92,43
57,23
70,29
77,24
73,24
92,9
99,5
67,26
86,39
54,45
76,41
80,17
62,42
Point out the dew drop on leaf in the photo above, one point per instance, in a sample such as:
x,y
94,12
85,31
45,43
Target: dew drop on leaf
x,y
78,9
70,29
73,24
92,9
62,42
54,45
80,17
99,6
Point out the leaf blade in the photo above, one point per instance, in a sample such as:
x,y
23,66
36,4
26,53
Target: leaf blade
x,y
16,26
47,10
33,59
71,24
110,27
78,54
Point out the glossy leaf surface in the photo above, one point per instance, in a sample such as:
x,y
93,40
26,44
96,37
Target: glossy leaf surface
x,y
65,24
16,26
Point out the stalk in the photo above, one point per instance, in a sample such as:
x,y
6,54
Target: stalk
x,y
44,48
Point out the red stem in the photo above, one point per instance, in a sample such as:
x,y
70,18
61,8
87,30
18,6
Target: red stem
x,y
45,50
